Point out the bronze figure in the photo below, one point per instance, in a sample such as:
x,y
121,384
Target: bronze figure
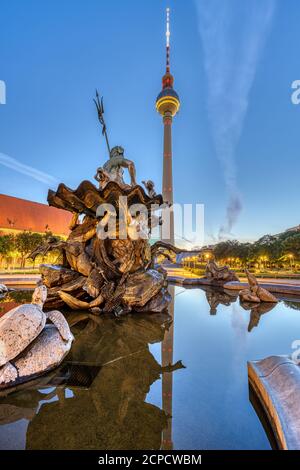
x,y
101,269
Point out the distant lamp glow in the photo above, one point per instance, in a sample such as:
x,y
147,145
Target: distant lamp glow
x,y
291,257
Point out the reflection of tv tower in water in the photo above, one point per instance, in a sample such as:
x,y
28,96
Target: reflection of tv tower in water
x,y
167,377
167,104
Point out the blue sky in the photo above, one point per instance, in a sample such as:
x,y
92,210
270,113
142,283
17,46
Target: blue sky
x,y
53,54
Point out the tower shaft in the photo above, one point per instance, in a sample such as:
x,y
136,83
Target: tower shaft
x,y
167,183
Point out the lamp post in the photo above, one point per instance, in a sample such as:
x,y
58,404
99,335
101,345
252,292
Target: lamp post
x,y
290,256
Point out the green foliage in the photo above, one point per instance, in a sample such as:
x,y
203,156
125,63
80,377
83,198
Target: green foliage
x,y
6,244
17,247
292,245
20,245
25,242
233,249
274,250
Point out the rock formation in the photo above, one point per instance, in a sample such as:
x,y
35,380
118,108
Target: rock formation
x,y
29,347
255,293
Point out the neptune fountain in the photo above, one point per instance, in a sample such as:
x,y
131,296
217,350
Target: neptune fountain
x,y
107,266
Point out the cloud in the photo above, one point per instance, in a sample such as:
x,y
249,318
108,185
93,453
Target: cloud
x,y
233,35
38,175
2,92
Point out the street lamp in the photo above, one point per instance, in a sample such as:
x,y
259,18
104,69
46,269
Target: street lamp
x,y
291,256
263,259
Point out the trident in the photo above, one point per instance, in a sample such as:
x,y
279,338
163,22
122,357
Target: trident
x,y
100,110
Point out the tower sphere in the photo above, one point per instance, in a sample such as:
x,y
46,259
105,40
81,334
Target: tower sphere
x,y
168,100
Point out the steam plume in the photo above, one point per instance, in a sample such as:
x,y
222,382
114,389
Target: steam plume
x,y
233,35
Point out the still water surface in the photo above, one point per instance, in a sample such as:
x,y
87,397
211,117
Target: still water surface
x,y
116,391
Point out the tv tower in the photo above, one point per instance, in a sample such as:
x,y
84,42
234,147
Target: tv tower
x,y
167,104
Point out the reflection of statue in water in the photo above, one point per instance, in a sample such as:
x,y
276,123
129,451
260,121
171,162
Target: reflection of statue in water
x,y
112,413
216,297
257,310
219,275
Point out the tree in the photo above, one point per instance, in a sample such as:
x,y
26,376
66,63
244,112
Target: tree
x,y
292,245
226,249
6,245
232,249
26,242
268,248
244,253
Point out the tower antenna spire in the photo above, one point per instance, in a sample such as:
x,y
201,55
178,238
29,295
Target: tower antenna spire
x,y
168,40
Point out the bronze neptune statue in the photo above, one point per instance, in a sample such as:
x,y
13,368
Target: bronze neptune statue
x,y
107,260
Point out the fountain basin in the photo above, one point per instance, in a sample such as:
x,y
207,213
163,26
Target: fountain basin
x,y
276,382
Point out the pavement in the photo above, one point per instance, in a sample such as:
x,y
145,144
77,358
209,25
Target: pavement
x,y
19,279
181,276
